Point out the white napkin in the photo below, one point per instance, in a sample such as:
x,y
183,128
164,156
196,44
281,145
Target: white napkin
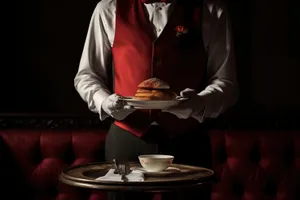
x,y
133,176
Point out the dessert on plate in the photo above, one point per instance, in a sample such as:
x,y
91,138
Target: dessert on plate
x,y
154,89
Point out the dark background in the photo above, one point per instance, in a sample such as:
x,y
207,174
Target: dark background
x,y
46,40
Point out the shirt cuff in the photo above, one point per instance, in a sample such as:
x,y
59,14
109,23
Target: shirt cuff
x,y
200,117
98,98
200,114
212,105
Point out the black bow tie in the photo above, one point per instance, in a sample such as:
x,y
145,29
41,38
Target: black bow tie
x,y
156,1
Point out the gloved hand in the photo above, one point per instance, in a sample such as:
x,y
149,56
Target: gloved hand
x,y
115,107
189,108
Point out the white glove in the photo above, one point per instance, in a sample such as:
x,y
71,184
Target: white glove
x,y
115,107
192,107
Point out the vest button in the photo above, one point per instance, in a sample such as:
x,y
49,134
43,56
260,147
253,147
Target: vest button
x,y
156,61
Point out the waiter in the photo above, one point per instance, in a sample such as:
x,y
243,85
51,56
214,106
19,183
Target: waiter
x,y
185,43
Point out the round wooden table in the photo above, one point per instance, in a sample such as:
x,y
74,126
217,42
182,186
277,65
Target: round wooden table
x,y
189,177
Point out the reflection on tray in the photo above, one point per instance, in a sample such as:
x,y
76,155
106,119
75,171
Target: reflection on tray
x,y
94,173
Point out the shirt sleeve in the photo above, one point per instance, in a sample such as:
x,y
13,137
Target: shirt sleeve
x,y
91,80
222,90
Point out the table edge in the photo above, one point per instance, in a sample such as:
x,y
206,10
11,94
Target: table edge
x,y
133,188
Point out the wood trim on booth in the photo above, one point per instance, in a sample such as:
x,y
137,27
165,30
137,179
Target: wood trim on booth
x,y
51,121
61,121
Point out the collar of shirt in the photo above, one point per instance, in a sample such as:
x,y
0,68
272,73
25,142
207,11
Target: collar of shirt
x,y
157,1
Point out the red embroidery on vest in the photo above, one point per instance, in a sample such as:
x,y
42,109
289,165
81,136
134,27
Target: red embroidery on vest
x,y
181,30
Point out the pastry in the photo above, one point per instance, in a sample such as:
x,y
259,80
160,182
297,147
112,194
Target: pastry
x,y
154,89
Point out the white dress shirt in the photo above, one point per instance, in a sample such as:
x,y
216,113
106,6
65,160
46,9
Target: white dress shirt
x,y
91,79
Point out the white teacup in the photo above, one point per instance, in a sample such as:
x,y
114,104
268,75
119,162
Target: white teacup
x,y
155,162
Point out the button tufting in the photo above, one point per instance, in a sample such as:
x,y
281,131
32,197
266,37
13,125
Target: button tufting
x,y
69,159
238,189
222,156
37,156
289,156
276,175
270,188
255,154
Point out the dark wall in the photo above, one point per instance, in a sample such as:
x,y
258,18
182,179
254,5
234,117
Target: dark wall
x,y
48,36
268,59
49,39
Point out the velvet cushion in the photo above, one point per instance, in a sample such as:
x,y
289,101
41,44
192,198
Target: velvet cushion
x,y
256,165
252,165
37,157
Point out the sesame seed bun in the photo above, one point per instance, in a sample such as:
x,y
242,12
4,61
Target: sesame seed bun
x,y
154,89
154,83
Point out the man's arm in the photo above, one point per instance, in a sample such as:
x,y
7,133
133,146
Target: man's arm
x,y
91,79
222,90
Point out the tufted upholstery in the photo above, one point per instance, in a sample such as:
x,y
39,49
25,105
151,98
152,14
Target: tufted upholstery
x,y
256,165
38,157
252,165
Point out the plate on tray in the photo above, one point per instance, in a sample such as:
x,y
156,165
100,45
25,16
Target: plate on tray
x,y
152,104
168,171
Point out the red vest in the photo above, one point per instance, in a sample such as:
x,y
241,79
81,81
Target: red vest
x,y
139,55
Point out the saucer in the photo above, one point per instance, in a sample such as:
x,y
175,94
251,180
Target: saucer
x,y
168,171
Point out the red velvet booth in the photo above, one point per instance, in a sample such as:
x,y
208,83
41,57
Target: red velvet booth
x,y
254,163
